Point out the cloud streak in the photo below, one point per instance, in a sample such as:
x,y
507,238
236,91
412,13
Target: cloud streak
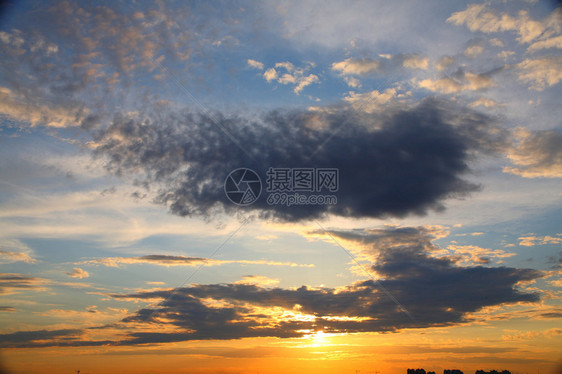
x,y
167,260
11,283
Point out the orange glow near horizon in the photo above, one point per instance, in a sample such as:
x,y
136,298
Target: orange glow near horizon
x,y
318,352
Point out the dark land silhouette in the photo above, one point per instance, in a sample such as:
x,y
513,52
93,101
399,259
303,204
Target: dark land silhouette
x,y
456,371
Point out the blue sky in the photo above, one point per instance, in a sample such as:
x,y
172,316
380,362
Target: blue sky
x,y
120,121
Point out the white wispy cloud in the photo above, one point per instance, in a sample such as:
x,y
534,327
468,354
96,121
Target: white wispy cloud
x,y
17,106
255,64
541,72
14,250
532,240
373,100
449,85
473,51
385,63
459,82
357,67
9,257
475,255
78,273
536,154
258,280
485,102
287,73
542,33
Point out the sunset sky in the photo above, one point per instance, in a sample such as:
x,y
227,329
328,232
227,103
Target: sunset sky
x,y
121,251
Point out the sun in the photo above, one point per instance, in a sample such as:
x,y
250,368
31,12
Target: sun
x,y
315,339
318,339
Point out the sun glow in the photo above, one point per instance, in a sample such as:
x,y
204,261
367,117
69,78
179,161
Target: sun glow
x,y
317,339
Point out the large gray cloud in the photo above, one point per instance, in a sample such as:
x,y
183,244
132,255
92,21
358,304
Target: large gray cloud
x,y
401,161
435,291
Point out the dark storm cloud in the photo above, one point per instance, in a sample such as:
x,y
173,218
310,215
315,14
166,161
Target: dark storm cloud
x,y
403,161
435,291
